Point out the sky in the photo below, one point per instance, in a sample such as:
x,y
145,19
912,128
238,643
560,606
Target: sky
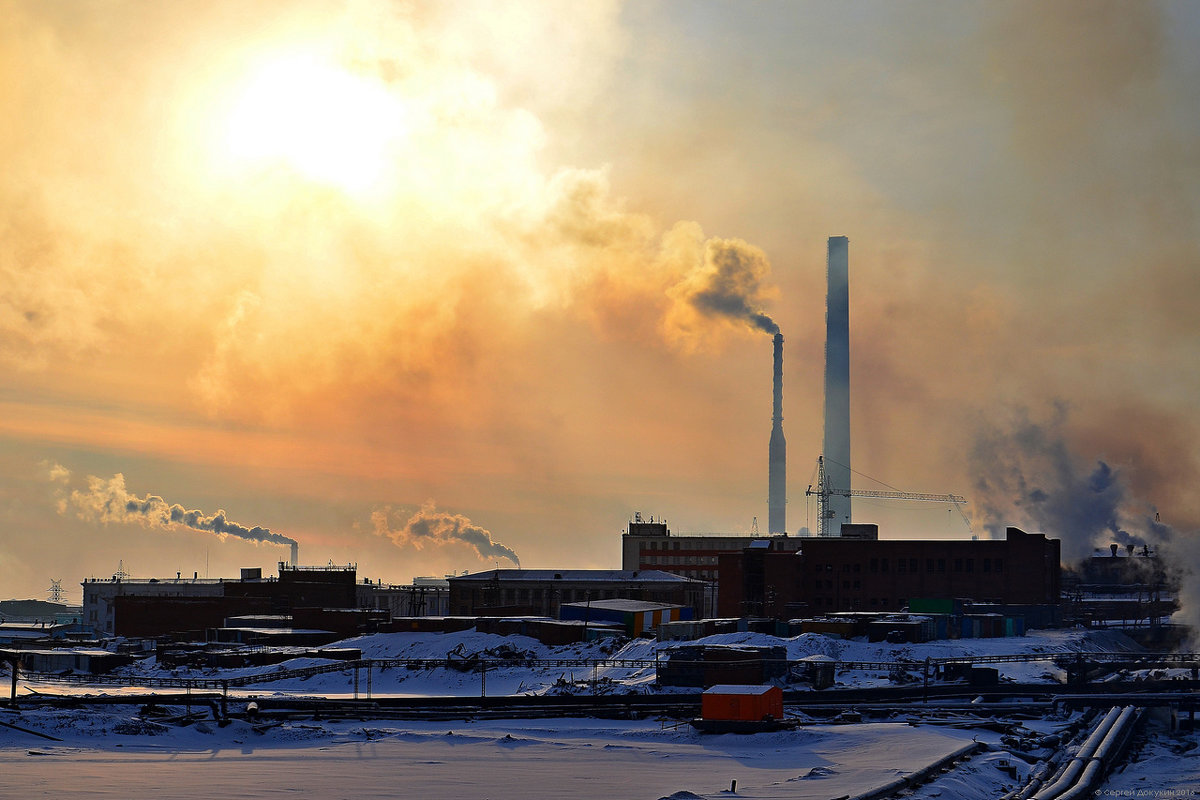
x,y
434,287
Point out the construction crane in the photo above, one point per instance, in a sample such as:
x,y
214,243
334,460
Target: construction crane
x,y
823,491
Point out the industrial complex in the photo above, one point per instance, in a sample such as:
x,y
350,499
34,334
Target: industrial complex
x,y
844,571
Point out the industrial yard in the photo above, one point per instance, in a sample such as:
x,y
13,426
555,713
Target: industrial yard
x,y
590,720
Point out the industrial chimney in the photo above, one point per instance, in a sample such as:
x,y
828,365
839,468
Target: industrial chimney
x,y
295,555
777,467
837,384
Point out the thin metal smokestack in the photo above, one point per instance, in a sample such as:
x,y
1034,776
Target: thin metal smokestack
x,y
777,467
294,558
837,384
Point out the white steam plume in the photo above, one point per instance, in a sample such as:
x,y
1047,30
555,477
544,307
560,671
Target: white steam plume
x,y
108,501
428,526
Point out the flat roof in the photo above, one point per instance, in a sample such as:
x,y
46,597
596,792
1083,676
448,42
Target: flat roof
x,y
739,689
621,605
576,575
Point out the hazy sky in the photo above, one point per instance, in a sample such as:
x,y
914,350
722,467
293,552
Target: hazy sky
x,y
437,286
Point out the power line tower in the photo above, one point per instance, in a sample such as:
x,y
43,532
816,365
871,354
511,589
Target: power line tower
x,y
55,593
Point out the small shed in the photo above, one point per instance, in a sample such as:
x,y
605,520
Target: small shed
x,y
742,703
637,616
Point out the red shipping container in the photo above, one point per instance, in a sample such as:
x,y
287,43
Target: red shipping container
x,y
742,703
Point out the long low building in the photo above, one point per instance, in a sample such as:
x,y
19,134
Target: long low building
x,y
515,592
868,574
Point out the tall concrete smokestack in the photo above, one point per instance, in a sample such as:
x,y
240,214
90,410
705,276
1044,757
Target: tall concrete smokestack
x,y
837,383
294,559
777,468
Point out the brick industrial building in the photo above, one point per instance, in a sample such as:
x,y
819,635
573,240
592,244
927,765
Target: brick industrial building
x,y
540,592
828,574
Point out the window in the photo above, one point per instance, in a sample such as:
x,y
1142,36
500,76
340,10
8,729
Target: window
x,y
999,565
675,545
941,565
929,565
874,565
858,584
901,565
958,565
987,565
845,584
970,565
883,565
912,565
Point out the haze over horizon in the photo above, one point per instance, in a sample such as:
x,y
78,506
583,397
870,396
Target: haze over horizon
x,y
432,287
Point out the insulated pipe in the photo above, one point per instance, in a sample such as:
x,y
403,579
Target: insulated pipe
x,y
1074,768
1103,755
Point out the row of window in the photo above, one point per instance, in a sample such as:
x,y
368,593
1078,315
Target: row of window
x,y
853,603
906,565
680,560
723,545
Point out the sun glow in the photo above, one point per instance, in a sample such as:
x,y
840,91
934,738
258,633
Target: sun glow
x,y
326,123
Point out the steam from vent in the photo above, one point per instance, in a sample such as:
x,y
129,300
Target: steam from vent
x,y
108,501
432,527
728,285
1030,471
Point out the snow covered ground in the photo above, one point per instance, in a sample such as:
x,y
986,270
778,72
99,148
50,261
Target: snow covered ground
x,y
522,679
111,755
115,752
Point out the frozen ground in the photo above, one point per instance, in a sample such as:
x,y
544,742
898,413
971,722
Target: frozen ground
x,y
523,679
111,752
112,755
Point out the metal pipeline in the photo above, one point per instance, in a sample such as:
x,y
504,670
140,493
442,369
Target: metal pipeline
x,y
1102,757
1087,766
1070,774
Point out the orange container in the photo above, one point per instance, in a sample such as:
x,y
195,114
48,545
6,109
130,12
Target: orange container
x,y
743,703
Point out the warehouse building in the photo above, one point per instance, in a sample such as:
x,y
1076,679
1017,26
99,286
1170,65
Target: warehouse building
x,y
868,574
540,592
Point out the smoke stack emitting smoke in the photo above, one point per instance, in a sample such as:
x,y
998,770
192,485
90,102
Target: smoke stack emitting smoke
x,y
729,284
777,452
430,526
108,501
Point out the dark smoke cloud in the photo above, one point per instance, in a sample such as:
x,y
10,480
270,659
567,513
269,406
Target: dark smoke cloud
x,y
1027,470
1029,473
729,285
432,527
108,501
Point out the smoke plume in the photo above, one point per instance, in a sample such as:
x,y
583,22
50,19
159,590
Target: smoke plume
x,y
1029,471
108,501
432,527
728,286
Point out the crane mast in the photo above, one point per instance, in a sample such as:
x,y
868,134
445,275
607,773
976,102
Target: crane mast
x,y
824,491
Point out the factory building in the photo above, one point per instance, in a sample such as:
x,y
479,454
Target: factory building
x,y
864,573
124,606
100,595
540,592
652,546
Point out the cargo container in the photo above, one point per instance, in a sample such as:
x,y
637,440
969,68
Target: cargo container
x,y
740,702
